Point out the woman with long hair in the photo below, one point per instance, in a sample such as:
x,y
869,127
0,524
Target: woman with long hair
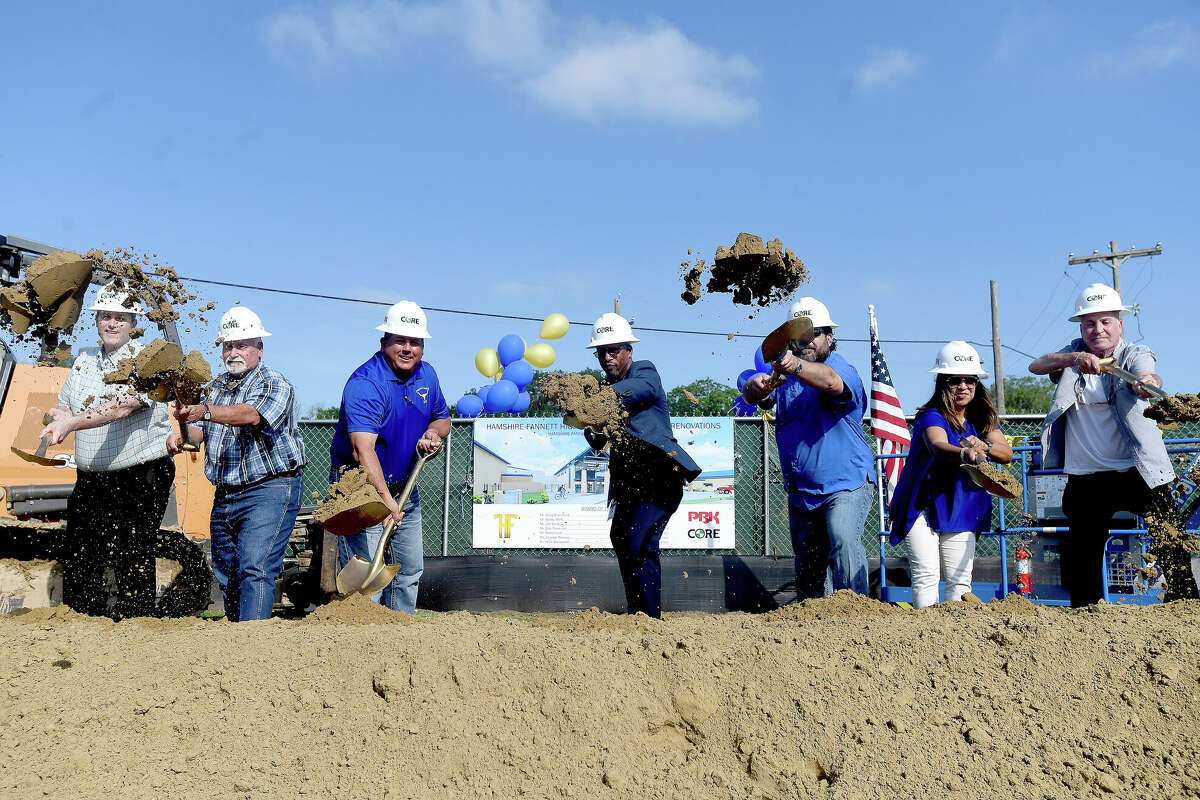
x,y
936,505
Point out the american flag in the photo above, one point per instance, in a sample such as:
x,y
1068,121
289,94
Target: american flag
x,y
887,418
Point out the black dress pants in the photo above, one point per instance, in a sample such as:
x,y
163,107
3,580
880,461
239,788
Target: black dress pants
x,y
1089,503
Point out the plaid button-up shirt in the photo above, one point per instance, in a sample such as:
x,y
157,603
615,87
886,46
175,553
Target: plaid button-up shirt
x,y
136,439
236,455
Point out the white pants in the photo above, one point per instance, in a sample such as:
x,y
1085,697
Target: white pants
x,y
932,555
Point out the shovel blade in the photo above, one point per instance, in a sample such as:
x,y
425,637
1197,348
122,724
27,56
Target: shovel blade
x,y
353,520
798,330
379,581
350,578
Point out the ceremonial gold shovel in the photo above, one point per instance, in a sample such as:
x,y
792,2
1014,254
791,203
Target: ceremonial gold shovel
x,y
368,578
793,334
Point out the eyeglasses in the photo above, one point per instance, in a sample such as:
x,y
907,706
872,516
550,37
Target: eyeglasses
x,y
955,380
610,350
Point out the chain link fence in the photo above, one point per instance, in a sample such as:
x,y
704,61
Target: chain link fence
x,y
761,499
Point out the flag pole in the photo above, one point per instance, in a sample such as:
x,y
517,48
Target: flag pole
x,y
880,473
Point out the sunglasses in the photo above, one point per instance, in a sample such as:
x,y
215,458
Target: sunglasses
x,y
957,379
604,351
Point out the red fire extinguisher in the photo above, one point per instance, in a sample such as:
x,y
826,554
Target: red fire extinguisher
x,y
1024,570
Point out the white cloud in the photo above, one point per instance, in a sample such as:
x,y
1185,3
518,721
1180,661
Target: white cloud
x,y
658,74
885,69
1155,48
593,72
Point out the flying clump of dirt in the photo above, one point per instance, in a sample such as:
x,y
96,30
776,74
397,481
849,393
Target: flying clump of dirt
x,y
753,272
45,304
161,370
1174,409
157,285
1173,546
586,402
353,489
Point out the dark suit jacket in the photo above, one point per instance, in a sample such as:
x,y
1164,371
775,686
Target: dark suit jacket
x,y
641,392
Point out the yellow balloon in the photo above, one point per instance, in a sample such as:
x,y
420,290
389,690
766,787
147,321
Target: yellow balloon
x,y
540,355
555,327
487,361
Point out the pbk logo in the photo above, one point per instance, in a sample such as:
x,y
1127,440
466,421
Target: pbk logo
x,y
704,517
504,523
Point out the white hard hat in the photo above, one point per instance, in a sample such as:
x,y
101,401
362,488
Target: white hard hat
x,y
611,328
958,358
814,309
1097,297
113,299
405,318
240,323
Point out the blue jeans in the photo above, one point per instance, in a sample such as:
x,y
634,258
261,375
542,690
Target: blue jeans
x,y
830,536
406,548
250,531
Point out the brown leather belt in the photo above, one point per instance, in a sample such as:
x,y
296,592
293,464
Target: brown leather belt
x,y
231,489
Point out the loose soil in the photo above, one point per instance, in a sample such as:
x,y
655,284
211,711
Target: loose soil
x,y
161,369
835,698
1173,547
1006,479
352,490
594,406
754,273
44,305
1175,408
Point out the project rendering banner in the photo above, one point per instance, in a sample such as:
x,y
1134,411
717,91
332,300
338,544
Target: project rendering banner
x,y
538,484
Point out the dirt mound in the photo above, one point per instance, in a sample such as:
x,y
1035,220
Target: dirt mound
x,y
357,609
1174,409
963,701
840,604
582,397
754,273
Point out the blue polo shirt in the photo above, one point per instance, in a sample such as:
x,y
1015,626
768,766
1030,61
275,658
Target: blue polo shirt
x,y
822,449
950,499
398,411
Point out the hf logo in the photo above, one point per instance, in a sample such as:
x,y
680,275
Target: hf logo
x,y
504,523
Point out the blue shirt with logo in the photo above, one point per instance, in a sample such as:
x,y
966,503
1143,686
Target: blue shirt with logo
x,y
822,449
377,401
938,486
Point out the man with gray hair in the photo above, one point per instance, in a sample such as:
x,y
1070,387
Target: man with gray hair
x,y
124,474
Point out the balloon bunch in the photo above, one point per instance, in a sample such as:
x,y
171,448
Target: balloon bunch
x,y
510,363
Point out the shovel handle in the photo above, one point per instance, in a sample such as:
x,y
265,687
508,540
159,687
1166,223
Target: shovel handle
x,y
186,445
1110,365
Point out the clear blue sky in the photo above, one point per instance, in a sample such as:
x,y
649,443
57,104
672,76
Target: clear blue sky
x,y
533,157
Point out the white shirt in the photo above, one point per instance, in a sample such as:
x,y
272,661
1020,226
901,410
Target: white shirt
x,y
1094,442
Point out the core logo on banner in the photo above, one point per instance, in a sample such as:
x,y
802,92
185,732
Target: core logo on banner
x,y
504,524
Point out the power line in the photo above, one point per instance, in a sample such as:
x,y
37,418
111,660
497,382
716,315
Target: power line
x,y
318,296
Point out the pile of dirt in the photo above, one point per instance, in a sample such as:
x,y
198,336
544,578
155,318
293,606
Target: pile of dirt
x,y
1003,477
353,489
1002,699
1174,409
584,399
44,306
162,370
356,609
754,273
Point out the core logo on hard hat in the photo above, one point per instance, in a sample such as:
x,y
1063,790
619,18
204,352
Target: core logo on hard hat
x,y
604,330
411,320
1094,297
963,358
233,323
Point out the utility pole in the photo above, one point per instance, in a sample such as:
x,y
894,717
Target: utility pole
x,y
996,350
1115,259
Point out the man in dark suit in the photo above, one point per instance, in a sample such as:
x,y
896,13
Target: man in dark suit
x,y
647,467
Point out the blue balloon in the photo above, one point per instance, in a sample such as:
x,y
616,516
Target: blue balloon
x,y
501,396
469,406
522,403
519,372
511,348
483,393
744,376
759,363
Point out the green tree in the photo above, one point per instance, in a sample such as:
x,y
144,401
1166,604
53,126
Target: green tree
x,y
701,398
1025,394
329,412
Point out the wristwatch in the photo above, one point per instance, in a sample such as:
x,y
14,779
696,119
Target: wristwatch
x,y
207,415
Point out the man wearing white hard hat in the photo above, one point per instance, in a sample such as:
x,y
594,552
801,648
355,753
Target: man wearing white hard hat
x,y
648,468
936,507
392,407
1095,432
823,454
253,454
124,474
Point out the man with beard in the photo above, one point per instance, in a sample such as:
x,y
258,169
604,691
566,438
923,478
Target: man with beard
x,y
824,456
1114,457
253,454
392,407
124,473
648,468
